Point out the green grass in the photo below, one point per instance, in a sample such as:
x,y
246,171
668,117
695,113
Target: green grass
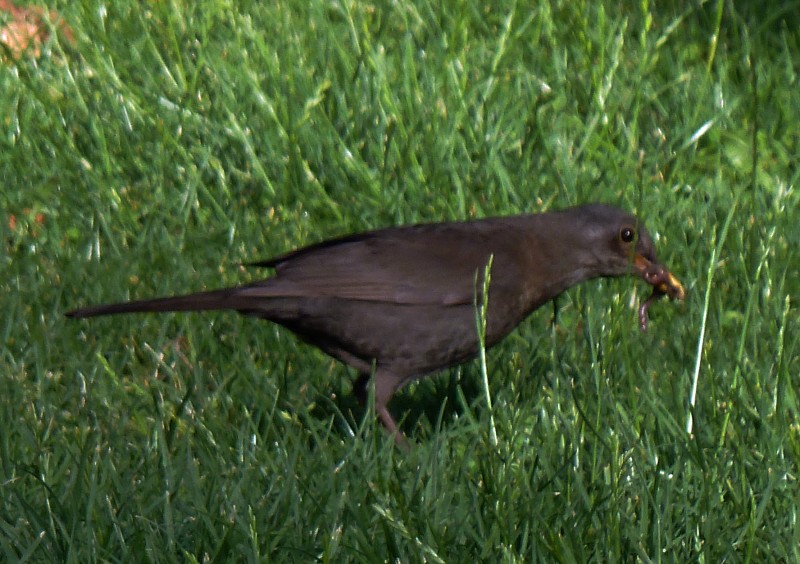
x,y
176,140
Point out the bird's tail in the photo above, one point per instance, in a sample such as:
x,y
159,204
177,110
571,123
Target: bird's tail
x,y
201,301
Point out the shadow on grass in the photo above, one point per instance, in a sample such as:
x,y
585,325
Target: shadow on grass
x,y
442,398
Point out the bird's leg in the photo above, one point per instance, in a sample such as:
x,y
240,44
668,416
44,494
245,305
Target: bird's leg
x,y
385,386
391,427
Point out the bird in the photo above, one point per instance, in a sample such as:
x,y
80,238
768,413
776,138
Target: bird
x,y
399,303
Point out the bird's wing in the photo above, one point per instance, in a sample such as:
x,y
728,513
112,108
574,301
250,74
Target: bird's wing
x,y
426,264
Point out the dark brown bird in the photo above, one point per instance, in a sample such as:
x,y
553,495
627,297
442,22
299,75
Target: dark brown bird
x,y
399,303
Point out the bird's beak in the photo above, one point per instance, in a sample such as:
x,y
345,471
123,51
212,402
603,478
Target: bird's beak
x,y
659,277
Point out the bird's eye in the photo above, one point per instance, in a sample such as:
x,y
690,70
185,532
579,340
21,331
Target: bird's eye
x,y
627,235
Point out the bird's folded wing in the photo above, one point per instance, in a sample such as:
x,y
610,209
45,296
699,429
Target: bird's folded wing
x,y
420,265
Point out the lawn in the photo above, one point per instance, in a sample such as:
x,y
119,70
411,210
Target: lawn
x,y
157,146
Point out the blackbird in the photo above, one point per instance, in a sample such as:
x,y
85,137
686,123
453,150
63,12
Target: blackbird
x,y
399,303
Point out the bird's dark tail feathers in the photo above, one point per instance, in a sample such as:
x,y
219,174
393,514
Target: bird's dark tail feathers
x,y
201,301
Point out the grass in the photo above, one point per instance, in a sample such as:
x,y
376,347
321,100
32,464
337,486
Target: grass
x,y
173,141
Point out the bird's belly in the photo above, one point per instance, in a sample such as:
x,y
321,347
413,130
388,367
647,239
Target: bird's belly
x,y
407,339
